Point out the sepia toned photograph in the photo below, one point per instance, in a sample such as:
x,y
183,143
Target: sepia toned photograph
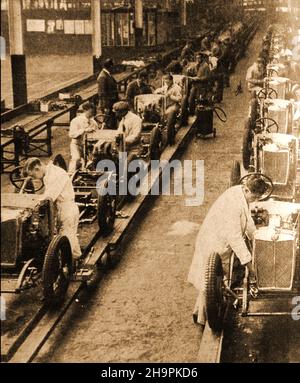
x,y
150,184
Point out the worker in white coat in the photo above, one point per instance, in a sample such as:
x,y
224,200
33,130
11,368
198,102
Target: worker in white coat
x,y
130,124
58,187
81,124
222,231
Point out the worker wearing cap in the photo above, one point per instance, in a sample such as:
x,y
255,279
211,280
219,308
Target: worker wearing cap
x,y
137,87
58,187
200,78
222,232
205,44
130,124
255,76
173,93
187,52
107,91
225,59
81,124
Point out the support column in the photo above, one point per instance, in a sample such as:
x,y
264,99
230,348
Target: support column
x,y
18,60
96,36
183,17
138,21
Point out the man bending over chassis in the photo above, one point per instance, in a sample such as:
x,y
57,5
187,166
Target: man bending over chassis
x,y
223,231
58,187
130,124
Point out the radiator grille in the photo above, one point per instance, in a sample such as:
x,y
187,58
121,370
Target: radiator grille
x,y
280,116
276,166
9,242
274,264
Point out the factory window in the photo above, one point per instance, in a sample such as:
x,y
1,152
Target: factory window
x,y
3,5
117,28
56,4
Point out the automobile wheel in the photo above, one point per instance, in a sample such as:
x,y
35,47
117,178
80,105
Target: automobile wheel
x,y
235,174
57,270
131,175
154,148
106,211
184,111
247,144
214,300
171,135
60,161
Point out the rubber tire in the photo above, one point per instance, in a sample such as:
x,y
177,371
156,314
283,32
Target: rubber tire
x,y
235,174
60,161
247,140
184,111
131,157
254,105
154,148
171,135
106,213
213,293
49,272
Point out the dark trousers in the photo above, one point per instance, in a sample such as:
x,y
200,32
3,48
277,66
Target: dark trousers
x,y
197,91
171,114
219,90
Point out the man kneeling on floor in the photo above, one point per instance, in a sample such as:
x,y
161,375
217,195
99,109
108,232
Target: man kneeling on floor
x,y
222,231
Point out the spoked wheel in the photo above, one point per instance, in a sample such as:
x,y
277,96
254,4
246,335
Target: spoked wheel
x,y
103,119
154,148
273,73
17,179
60,161
171,135
247,144
268,184
266,124
267,93
57,270
235,174
214,299
106,211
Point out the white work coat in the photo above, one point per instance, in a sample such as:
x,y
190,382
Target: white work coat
x,y
131,126
223,229
58,187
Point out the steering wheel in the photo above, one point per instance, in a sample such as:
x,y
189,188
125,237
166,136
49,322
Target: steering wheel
x,y
17,179
264,178
273,72
267,124
267,93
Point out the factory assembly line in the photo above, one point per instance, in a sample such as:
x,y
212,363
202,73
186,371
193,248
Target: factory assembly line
x,y
120,197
